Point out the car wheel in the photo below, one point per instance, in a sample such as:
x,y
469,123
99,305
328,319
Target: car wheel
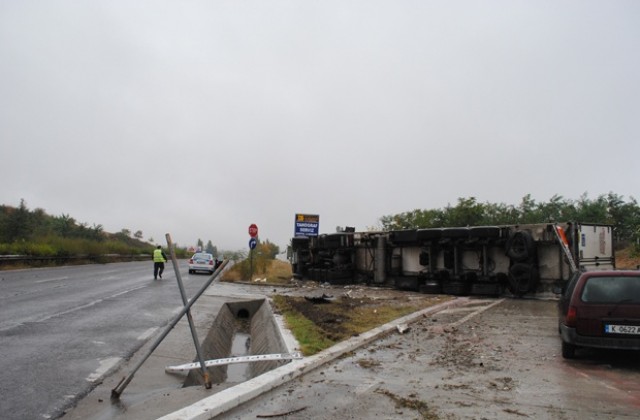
x,y
568,350
190,271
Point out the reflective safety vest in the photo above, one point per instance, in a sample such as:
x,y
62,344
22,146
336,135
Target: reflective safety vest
x,y
157,255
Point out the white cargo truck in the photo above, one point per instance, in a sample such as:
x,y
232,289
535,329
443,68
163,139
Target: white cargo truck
x,y
481,260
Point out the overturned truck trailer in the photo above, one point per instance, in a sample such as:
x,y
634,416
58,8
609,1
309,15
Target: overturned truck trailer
x,y
479,260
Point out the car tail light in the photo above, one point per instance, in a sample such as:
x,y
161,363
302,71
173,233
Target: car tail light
x,y
210,262
572,315
190,260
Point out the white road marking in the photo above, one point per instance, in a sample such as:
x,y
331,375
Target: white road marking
x,y
53,279
12,324
105,365
475,313
148,333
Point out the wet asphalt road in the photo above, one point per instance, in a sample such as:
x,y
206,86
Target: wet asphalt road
x,y
62,329
488,359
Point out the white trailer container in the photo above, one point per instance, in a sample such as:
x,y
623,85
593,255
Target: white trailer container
x,y
521,259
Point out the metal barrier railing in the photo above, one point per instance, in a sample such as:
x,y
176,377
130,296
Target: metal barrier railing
x,y
38,261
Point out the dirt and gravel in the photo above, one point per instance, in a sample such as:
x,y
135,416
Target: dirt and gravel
x,y
487,359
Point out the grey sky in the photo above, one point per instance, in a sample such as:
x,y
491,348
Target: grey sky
x,y
198,118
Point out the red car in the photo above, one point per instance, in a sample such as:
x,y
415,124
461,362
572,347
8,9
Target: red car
x,y
600,309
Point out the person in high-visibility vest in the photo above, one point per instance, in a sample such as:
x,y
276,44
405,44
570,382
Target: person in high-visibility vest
x,y
159,258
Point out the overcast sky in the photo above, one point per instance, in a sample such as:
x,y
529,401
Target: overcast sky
x,y
198,118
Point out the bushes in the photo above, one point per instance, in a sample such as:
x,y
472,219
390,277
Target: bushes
x,y
28,248
56,246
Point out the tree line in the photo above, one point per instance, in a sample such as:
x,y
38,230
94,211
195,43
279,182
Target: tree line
x,y
34,232
611,209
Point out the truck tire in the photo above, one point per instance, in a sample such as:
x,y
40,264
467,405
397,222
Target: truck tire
x,y
486,289
407,283
520,246
523,278
404,237
456,288
431,286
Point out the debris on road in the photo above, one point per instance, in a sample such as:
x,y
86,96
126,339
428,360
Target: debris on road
x,y
403,328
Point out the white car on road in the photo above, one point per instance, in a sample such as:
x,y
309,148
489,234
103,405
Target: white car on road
x,y
202,261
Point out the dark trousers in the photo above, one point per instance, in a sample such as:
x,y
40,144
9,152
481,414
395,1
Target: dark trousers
x,y
158,268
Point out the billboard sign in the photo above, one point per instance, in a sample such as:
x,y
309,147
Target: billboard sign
x,y
306,225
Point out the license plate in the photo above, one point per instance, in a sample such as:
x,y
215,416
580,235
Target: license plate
x,y
621,329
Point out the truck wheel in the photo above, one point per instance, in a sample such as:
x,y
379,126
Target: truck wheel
x,y
522,278
456,288
431,286
520,246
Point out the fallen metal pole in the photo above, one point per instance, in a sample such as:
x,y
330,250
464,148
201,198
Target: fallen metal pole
x,y
192,327
233,360
117,391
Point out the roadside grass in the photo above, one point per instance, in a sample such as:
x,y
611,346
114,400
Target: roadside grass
x,y
274,272
320,326
627,258
365,318
311,337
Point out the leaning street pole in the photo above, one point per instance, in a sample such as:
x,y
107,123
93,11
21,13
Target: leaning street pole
x,y
185,301
119,389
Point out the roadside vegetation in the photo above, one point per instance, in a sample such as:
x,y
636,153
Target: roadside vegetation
x,y
319,323
34,233
261,267
610,209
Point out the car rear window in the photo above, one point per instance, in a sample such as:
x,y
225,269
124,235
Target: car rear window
x,y
611,289
203,256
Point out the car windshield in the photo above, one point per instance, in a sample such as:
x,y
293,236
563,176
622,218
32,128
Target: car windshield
x,y
612,289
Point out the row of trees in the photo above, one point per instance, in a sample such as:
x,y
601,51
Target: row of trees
x,y
21,224
611,209
27,232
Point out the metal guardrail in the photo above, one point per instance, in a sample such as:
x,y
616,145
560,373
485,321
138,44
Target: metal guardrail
x,y
36,260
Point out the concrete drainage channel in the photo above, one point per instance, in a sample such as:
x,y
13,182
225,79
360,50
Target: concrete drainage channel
x,y
241,329
227,326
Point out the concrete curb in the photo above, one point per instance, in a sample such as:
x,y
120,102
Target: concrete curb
x,y
230,398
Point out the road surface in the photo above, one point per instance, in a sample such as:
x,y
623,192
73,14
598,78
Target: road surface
x,y
62,329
